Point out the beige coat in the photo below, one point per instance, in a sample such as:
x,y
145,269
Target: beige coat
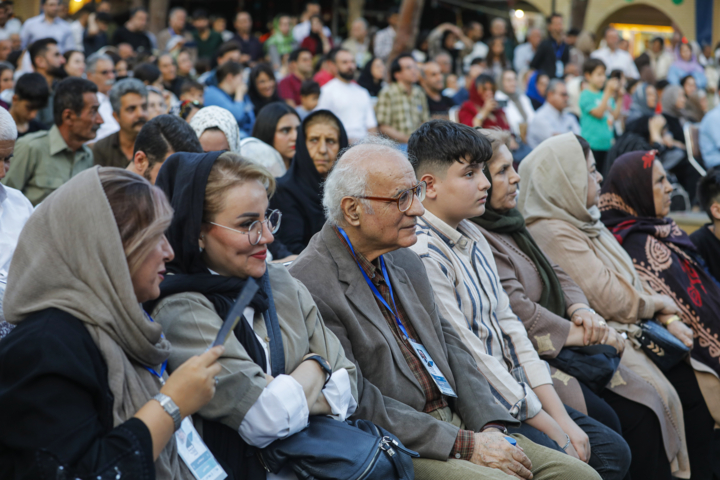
x,y
191,324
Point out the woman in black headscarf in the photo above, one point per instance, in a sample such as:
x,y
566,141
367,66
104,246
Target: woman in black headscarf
x,y
220,234
371,77
262,87
299,192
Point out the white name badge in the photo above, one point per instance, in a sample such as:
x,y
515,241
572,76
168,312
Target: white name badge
x,y
559,69
432,369
195,454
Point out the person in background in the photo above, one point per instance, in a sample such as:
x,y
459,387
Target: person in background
x,y
281,42
5,49
385,38
47,61
358,43
250,46
552,53
31,95
157,140
686,64
168,71
262,86
707,238
74,63
302,29
674,102
300,66
185,68
216,129
45,160
431,80
499,29
95,36
444,39
660,58
299,192
101,71
644,102
231,95
15,210
79,317
133,32
525,52
48,25
309,98
80,24
710,138
7,73
328,68
16,43
372,76
551,119
317,42
614,58
537,88
475,32
192,91
277,125
696,102
219,24
347,100
177,18
8,26
228,52
402,106
463,93
516,105
207,40
481,110
128,98
156,103
600,105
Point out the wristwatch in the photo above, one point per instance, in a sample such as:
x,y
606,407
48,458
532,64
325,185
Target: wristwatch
x,y
324,364
170,408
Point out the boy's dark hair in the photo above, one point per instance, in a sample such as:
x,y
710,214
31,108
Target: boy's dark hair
x,y
309,87
437,144
147,73
295,54
395,66
40,47
591,64
162,134
228,68
69,94
685,79
708,190
661,84
33,88
190,85
584,145
229,46
573,32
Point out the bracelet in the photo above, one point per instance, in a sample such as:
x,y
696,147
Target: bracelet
x,y
582,308
496,425
567,444
671,319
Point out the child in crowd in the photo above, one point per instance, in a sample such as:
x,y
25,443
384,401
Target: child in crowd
x,y
707,237
598,109
192,90
309,96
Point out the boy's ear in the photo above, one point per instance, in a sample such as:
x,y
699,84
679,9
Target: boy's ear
x,y
715,211
432,183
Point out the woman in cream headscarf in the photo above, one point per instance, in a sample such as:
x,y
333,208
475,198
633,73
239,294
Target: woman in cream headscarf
x,y
81,372
216,129
559,202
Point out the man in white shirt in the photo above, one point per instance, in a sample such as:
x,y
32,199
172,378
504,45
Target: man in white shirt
x,y
551,119
385,38
614,57
101,71
660,59
347,100
525,52
15,209
302,29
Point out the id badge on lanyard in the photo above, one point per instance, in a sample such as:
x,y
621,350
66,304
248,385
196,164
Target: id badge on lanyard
x,y
195,454
424,356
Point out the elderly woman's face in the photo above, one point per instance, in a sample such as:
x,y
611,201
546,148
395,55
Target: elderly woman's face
x,y
323,144
505,181
661,190
594,179
146,280
286,136
228,252
214,140
690,87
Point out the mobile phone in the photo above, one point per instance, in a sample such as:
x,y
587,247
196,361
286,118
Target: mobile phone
x,y
236,312
502,103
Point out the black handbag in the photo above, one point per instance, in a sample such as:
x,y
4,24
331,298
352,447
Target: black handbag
x,y
593,365
660,345
330,449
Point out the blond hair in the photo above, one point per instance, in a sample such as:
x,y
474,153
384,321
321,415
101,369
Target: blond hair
x,y
228,171
142,212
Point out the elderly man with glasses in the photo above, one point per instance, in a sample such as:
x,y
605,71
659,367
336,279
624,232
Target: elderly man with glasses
x,y
416,378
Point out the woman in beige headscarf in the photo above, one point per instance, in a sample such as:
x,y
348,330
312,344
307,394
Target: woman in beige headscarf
x,y
81,373
558,199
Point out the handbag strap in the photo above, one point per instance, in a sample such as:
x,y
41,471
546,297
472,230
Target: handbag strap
x,y
277,353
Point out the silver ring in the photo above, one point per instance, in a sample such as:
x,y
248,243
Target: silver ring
x,y
217,380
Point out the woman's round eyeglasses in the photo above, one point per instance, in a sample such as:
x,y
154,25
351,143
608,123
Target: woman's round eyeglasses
x,y
405,198
255,230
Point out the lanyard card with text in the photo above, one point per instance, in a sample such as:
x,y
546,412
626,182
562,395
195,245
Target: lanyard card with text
x,y
432,369
195,454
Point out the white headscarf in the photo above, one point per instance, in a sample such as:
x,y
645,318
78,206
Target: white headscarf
x,y
218,117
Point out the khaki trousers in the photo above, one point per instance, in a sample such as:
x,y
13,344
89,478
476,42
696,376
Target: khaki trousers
x,y
547,464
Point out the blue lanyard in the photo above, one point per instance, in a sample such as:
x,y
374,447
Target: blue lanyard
x,y
372,285
558,51
164,364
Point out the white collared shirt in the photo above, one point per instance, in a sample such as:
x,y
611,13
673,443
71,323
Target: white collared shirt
x,y
351,104
110,125
617,60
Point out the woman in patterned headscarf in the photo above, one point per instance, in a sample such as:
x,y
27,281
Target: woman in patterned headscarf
x,y
216,129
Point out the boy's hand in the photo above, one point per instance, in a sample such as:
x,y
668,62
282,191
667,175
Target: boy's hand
x,y
612,86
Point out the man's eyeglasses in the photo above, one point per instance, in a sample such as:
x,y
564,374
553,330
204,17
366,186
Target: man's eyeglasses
x,y
405,199
255,230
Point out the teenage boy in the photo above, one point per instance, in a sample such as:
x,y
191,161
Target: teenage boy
x,y
450,159
31,95
309,98
598,108
707,238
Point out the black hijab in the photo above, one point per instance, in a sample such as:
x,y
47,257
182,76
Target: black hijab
x,y
258,100
367,81
299,192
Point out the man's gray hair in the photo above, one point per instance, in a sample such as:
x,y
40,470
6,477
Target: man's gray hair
x,y
175,10
554,83
362,20
8,130
122,88
92,60
348,178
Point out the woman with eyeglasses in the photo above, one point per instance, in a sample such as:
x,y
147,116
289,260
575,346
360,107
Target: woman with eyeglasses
x,y
280,364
